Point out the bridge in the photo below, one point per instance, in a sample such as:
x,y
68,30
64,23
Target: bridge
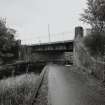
x,y
61,51
48,52
54,46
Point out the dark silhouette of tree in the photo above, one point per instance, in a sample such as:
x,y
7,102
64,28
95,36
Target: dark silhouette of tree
x,y
94,14
95,43
8,44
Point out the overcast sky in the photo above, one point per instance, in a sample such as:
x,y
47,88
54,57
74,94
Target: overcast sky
x,y
31,18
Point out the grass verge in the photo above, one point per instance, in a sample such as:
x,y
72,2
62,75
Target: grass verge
x,y
18,90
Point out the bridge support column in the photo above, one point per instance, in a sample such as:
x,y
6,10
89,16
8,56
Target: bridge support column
x,y
78,32
78,36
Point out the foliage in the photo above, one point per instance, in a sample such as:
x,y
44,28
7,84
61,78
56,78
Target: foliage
x,y
19,90
95,43
7,42
95,14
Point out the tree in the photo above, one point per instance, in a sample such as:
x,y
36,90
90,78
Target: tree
x,y
95,43
94,15
8,44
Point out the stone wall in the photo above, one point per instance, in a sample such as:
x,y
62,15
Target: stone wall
x,y
86,62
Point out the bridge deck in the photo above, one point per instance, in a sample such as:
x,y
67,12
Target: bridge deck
x,y
54,46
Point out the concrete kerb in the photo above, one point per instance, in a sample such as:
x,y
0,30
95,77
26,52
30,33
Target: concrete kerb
x,y
39,83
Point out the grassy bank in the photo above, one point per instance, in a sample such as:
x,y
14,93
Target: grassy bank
x,y
18,90
42,95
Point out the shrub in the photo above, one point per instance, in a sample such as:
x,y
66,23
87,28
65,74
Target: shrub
x,y
95,43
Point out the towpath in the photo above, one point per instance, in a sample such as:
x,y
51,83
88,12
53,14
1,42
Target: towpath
x,y
70,88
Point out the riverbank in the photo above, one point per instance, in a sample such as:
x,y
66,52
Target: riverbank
x,y
18,90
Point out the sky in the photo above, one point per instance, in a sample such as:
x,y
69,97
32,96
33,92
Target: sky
x,y
36,20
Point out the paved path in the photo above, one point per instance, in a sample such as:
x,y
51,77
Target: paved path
x,y
69,88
